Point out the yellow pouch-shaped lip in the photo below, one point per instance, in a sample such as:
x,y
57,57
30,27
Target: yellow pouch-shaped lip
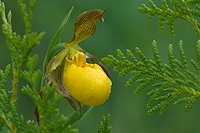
x,y
87,83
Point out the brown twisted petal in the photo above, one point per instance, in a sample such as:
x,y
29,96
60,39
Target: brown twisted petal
x,y
57,77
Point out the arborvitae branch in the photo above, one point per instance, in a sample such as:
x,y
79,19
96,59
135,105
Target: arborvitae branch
x,y
49,119
103,126
180,10
8,112
169,83
19,48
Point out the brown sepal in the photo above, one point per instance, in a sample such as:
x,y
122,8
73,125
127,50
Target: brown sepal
x,y
85,25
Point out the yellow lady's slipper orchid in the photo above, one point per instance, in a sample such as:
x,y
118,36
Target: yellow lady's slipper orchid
x,y
87,83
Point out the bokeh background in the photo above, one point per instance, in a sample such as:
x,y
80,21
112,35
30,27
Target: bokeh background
x,y
124,28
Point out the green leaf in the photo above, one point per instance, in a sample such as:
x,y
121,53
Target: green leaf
x,y
53,43
57,49
75,119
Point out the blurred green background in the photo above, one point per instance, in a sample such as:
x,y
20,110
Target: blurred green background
x,y
124,28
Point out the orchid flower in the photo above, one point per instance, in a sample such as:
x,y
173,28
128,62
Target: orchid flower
x,y
87,83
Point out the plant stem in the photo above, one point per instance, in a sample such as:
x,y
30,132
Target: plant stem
x,y
194,25
14,86
196,28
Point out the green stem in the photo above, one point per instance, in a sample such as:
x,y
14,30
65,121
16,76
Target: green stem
x,y
196,28
15,86
194,25
191,19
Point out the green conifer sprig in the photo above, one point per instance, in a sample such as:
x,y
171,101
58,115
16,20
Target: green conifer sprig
x,y
103,126
180,10
173,82
8,112
32,76
19,47
47,114
27,16
49,119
